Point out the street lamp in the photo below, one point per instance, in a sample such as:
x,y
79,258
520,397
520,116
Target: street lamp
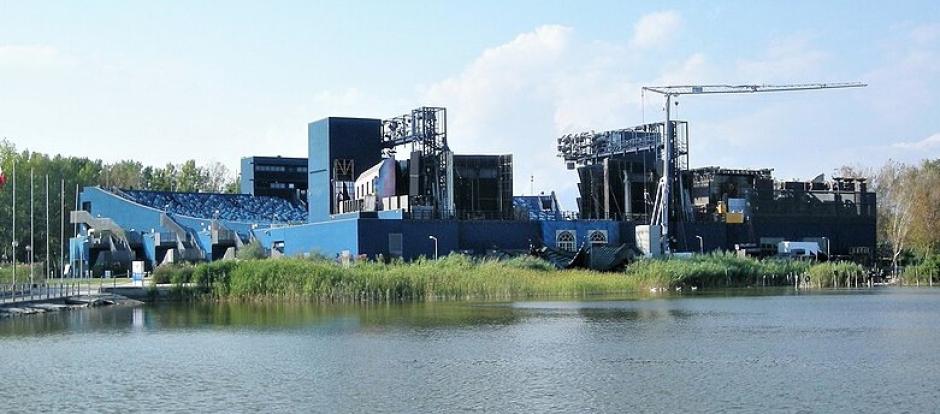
x,y
828,257
13,295
29,255
701,245
435,246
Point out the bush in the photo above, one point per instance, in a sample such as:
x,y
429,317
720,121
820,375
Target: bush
x,y
927,271
175,273
530,263
22,274
252,251
206,276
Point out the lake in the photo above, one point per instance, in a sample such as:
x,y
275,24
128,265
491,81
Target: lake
x,y
871,350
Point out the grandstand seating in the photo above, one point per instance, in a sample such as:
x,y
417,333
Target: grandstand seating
x,y
231,207
539,207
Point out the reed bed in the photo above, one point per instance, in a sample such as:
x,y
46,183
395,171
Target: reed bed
x,y
459,277
716,270
835,275
451,277
927,272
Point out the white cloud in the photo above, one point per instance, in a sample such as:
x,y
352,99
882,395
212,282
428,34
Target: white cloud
x,y
925,34
792,58
517,70
656,29
932,141
29,55
519,96
694,69
906,81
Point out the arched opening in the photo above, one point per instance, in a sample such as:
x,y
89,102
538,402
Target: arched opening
x,y
598,238
565,240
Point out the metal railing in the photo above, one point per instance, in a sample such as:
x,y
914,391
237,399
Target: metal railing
x,y
50,290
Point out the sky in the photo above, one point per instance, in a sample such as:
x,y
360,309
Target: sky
x,y
164,82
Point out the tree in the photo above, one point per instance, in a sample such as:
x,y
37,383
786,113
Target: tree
x,y
908,206
124,174
925,207
895,198
234,186
163,179
191,177
218,177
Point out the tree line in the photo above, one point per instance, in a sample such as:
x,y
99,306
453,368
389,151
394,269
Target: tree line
x,y
908,208
68,175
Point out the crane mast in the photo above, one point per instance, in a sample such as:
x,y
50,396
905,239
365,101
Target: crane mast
x,y
663,197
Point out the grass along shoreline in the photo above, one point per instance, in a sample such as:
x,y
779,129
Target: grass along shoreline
x,y
458,277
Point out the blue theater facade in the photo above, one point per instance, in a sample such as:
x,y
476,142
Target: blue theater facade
x,y
393,189
118,226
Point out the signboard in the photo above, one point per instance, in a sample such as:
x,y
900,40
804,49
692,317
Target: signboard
x,y
137,273
648,240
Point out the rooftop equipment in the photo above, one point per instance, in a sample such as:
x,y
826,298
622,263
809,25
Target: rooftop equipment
x,y
431,169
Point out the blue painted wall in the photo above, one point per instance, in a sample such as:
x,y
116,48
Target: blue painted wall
x,y
357,139
247,184
318,171
417,242
452,236
582,230
328,238
480,236
133,217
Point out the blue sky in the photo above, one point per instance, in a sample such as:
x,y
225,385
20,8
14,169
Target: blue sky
x,y
167,81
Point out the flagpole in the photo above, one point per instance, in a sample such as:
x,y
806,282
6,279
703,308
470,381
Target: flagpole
x,y
32,238
62,230
14,229
48,263
76,233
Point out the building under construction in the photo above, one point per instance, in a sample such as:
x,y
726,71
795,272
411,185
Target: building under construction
x,y
393,188
716,208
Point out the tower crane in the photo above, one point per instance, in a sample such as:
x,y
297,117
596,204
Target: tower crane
x,y
661,208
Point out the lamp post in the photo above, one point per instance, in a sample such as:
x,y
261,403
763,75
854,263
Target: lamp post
x,y
29,254
13,294
435,246
828,257
701,245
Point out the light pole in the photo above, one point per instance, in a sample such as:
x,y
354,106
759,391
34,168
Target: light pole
x,y
701,245
435,246
29,254
13,294
827,248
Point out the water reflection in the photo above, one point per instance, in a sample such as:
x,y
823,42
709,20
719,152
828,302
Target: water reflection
x,y
835,352
260,317
275,316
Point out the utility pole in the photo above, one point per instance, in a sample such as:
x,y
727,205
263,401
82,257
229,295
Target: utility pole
x,y
670,92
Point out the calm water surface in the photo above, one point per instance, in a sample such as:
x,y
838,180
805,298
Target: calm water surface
x,y
862,351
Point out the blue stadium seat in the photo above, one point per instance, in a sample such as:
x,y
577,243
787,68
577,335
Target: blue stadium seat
x,y
231,207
